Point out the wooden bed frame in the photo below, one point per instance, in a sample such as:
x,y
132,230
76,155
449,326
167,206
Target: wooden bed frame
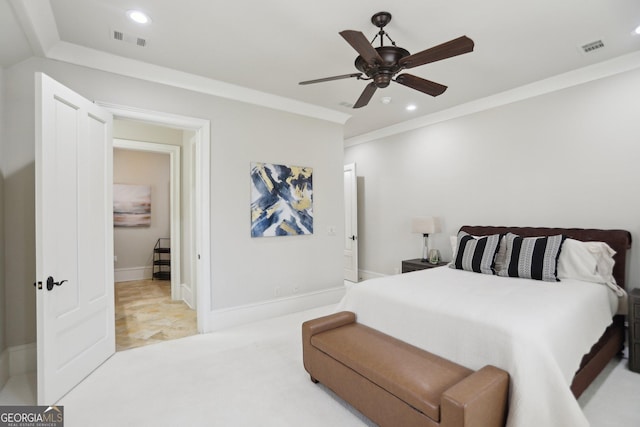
x,y
612,341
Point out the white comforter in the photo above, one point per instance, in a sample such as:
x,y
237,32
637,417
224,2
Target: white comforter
x,y
536,331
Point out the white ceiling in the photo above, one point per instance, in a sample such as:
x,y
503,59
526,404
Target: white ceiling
x,y
271,45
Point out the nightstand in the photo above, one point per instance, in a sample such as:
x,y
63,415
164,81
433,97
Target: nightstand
x,y
634,330
415,264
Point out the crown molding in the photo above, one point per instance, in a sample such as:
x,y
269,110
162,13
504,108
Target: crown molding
x,y
38,22
91,58
569,79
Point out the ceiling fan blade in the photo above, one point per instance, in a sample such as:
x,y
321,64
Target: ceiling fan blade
x,y
366,96
423,85
328,79
446,50
359,42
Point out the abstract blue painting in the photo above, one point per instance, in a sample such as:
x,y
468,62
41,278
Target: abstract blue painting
x,y
281,200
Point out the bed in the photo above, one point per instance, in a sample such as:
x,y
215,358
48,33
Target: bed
x,y
553,338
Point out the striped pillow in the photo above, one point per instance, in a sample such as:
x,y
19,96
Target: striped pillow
x,y
532,257
476,253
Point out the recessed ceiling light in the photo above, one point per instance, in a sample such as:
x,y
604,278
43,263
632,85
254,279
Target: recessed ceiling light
x,y
637,30
138,16
385,100
411,107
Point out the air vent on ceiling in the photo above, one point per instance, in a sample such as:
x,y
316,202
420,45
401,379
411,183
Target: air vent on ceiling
x,y
128,38
590,47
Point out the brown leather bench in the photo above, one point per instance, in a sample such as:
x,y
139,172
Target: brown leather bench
x,y
396,384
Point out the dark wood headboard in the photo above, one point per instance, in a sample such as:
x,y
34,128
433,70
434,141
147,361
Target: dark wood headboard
x,y
619,240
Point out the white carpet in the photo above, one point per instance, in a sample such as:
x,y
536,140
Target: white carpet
x,y
253,376
247,376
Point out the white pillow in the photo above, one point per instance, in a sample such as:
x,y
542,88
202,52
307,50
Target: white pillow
x,y
588,261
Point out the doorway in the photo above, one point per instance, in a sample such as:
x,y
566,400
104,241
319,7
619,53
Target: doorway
x,y
156,167
75,329
198,231
200,266
351,272
154,300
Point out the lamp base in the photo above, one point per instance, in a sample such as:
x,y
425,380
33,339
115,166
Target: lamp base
x,y
425,248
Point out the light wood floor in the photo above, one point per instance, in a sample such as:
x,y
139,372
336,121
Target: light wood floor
x,y
145,314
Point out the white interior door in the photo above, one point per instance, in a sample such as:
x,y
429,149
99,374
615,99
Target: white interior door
x,y
74,238
350,223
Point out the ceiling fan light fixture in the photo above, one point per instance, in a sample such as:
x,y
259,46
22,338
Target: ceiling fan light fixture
x,y
138,16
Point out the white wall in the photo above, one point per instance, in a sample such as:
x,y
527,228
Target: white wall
x,y
244,270
133,246
139,131
568,158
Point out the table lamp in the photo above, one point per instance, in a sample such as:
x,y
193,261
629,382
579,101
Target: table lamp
x,y
425,225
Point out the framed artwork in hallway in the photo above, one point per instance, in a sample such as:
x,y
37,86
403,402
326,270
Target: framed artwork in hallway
x,y
131,205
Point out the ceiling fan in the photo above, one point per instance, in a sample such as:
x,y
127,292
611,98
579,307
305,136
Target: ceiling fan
x,y
382,63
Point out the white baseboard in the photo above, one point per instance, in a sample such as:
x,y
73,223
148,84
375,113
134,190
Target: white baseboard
x,y
235,316
133,273
366,275
187,295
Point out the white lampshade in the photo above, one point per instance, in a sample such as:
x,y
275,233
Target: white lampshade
x,y
425,225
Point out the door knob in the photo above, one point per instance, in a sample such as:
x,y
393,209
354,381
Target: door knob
x,y
353,238
51,283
